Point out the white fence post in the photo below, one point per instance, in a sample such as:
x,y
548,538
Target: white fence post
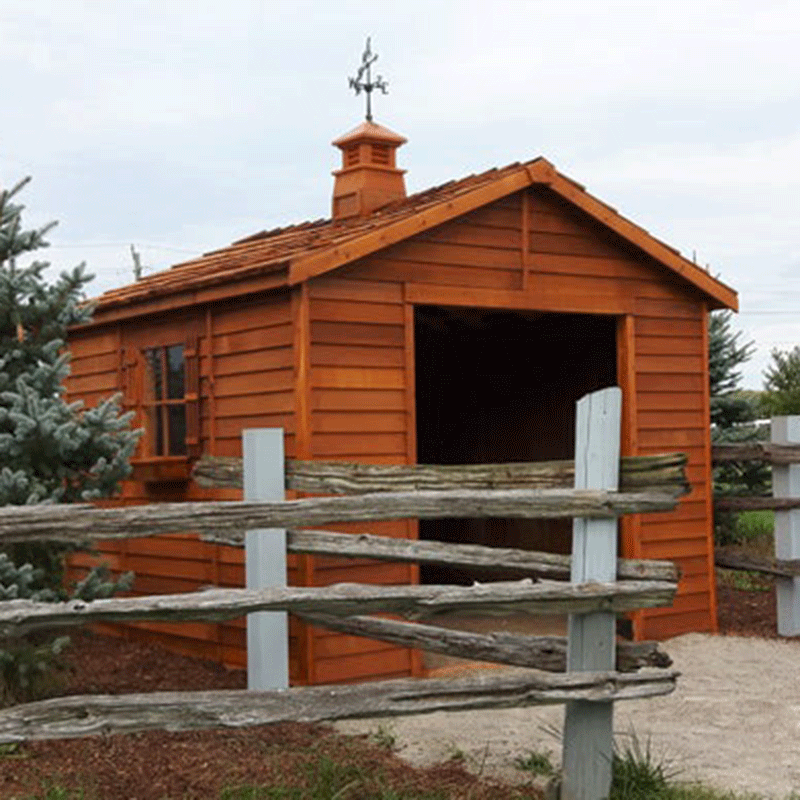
x,y
265,561
786,483
588,726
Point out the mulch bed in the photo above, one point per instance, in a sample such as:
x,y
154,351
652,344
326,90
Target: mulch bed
x,y
201,765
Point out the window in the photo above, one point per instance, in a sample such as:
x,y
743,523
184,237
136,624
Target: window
x,y
165,400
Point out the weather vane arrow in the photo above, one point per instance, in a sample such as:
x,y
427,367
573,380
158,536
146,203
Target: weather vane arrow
x,y
363,81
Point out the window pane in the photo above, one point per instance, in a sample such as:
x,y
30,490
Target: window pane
x,y
175,387
154,384
155,427
177,430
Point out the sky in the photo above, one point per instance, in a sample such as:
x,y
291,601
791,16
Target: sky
x,y
180,127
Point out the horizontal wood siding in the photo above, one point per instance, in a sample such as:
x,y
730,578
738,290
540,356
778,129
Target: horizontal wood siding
x,y
95,363
358,411
246,373
671,400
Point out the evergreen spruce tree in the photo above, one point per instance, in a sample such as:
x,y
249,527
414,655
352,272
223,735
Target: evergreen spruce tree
x,y
51,451
781,395
733,415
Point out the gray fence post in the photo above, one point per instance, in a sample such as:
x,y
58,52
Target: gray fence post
x,y
588,726
265,561
786,483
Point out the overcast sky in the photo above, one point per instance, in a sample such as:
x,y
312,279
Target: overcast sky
x,y
181,126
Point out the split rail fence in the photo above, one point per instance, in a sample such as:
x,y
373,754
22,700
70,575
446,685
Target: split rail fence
x,y
586,671
783,454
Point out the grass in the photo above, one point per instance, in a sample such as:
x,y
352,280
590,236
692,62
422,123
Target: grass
x,y
754,532
755,529
326,779
637,774
537,764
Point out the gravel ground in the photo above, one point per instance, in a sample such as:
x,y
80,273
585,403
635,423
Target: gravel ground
x,y
733,723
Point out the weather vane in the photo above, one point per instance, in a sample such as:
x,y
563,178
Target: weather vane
x,y
360,85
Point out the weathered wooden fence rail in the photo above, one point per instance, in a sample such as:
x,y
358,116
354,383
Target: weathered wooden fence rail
x,y
660,473
783,454
527,491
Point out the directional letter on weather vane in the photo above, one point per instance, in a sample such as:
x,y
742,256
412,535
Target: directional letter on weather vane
x,y
359,84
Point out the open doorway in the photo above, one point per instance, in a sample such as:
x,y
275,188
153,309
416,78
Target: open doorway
x,y
500,386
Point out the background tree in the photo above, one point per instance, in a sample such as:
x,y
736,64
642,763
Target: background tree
x,y
726,353
781,394
733,415
51,451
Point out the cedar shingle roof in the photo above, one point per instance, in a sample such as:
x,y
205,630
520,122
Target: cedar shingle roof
x,y
323,244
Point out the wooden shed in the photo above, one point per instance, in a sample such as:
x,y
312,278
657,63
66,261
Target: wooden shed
x,y
456,325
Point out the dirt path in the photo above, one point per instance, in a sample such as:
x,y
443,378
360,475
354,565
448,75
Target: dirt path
x,y
734,721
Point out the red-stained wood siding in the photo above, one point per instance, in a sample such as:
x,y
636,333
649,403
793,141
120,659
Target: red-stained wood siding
x,y
358,410
246,380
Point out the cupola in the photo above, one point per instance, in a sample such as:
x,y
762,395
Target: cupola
x,y
369,178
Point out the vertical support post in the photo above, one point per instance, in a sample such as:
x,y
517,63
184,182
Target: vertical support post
x,y
588,731
265,561
786,483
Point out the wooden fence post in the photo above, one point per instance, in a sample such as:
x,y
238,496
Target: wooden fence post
x,y
786,483
265,561
588,726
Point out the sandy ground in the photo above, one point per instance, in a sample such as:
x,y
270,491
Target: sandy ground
x,y
734,721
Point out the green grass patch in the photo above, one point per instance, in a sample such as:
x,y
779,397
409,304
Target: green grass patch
x,y
327,779
756,528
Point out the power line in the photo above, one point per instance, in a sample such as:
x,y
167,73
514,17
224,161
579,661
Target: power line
x,y
123,244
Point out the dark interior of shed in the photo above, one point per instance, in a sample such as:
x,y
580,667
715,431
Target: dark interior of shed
x,y
500,386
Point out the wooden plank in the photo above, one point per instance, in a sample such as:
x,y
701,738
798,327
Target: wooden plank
x,y
385,267
260,382
453,254
232,427
347,355
773,453
365,422
588,727
268,359
785,430
548,653
784,568
357,378
670,363
356,333
670,308
757,503
660,326
668,400
527,562
357,399
386,663
564,297
78,522
356,444
265,561
94,363
674,345
664,471
19,617
334,287
95,382
239,406
344,311
251,340
63,718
